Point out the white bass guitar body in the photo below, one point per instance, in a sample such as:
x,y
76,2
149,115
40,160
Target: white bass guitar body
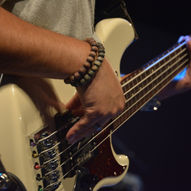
x,y
35,156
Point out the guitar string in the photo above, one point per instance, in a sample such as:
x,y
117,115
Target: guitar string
x,y
124,94
124,111
90,151
60,153
71,169
114,130
157,62
100,132
134,95
67,148
57,143
142,98
60,179
180,66
130,80
150,82
153,72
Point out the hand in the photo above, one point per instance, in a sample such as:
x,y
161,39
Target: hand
x,y
97,104
182,82
42,94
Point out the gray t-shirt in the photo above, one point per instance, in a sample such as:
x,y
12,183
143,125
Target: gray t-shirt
x,y
70,17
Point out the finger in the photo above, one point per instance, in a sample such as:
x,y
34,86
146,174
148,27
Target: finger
x,y
188,40
83,128
75,133
59,106
90,130
78,112
181,38
74,105
74,102
49,101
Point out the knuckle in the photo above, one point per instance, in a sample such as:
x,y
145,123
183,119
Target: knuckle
x,y
115,111
94,114
119,108
122,105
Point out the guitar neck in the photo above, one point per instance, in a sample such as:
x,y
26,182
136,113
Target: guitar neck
x,y
142,85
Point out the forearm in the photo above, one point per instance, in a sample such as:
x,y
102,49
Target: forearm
x,y
26,49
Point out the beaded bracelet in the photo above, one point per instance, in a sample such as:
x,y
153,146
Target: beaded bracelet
x,y
88,71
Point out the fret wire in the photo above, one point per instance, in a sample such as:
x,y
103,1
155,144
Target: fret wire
x,y
144,82
151,81
163,80
146,73
147,76
163,57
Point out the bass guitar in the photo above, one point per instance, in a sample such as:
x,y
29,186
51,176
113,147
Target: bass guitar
x,y
43,160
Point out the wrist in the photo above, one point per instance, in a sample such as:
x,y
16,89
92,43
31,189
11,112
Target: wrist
x,y
84,76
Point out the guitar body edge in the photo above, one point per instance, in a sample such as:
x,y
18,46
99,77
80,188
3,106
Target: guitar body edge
x,y
120,161
116,34
19,117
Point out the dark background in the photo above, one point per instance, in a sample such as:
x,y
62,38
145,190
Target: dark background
x,y
158,143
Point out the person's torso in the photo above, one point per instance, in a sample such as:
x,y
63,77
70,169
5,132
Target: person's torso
x,y
70,17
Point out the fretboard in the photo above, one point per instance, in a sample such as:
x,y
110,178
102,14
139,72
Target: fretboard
x,y
142,85
139,87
